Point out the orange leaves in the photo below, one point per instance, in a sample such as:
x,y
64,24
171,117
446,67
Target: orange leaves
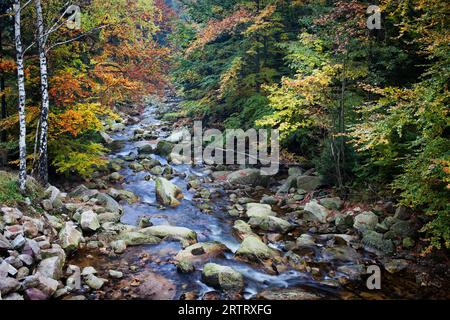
x,y
74,121
7,65
215,28
67,87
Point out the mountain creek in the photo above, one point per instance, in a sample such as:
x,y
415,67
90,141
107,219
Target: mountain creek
x,y
152,228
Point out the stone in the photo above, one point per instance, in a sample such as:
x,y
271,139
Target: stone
x,y
305,240
47,205
35,294
241,230
317,211
115,177
222,277
308,183
353,272
89,221
115,274
51,267
331,203
30,229
74,280
269,200
11,215
133,238
403,229
106,138
69,236
145,149
402,213
252,249
109,203
249,177
295,171
374,242
164,148
395,265
259,210
163,231
5,244
168,193
8,285
94,282
340,253
13,297
22,273
198,253
108,217
135,166
18,243
26,259
270,223
119,246
55,196
365,221
343,222
7,269
88,270
157,170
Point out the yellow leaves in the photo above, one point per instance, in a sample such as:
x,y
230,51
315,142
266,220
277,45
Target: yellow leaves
x,y
261,21
228,80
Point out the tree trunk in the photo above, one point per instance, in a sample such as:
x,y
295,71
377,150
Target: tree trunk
x,y
42,174
2,89
22,97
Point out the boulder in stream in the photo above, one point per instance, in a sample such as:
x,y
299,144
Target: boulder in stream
x,y
222,277
168,193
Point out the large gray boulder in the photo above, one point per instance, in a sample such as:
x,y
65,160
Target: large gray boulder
x,y
51,267
259,210
108,203
223,277
164,231
365,221
89,221
317,211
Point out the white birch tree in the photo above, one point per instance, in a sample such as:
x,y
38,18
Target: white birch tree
x,y
22,96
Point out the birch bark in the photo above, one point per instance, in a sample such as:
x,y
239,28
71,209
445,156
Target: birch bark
x,y
22,97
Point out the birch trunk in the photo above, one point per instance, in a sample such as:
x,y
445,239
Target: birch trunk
x,y
42,173
22,96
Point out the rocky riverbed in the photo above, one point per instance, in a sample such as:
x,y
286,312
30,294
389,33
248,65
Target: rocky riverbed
x,y
149,227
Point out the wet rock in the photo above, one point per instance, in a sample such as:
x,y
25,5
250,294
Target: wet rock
x,y
115,177
249,177
331,203
317,211
119,246
365,221
395,265
135,166
108,217
198,253
18,243
305,240
88,270
168,193
222,277
108,203
164,231
341,253
164,148
115,274
157,170
252,249
353,272
374,242
270,223
89,221
69,236
145,149
74,277
144,222
106,138
94,282
343,222
133,238
287,294
241,230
